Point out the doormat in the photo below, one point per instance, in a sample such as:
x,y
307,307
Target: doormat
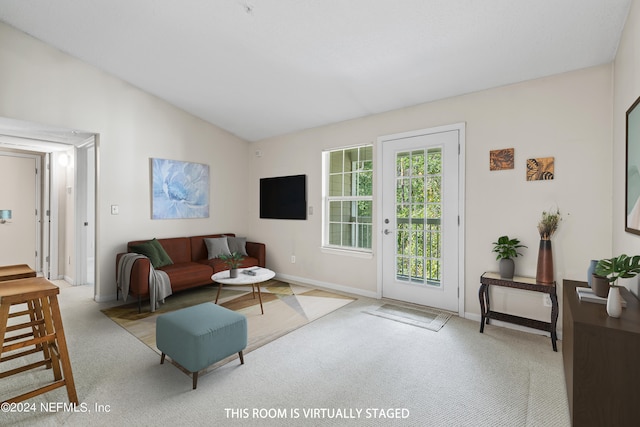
x,y
430,319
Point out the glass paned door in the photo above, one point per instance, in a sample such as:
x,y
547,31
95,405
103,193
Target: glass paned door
x,y
420,219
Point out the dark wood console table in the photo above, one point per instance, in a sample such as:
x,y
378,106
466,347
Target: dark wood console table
x,y
601,360
528,284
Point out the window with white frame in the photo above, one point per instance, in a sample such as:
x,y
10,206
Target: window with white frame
x,y
348,198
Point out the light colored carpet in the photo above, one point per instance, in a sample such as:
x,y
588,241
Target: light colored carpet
x,y
345,360
426,318
286,308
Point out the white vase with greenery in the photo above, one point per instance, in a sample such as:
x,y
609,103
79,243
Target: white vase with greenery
x,y
622,266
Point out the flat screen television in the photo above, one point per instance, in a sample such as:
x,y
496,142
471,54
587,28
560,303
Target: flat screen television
x,y
283,197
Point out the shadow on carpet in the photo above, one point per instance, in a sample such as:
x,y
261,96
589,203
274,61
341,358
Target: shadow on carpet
x,y
430,319
286,308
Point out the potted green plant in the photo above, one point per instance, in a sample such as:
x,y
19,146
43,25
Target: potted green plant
x,y
622,266
233,261
507,249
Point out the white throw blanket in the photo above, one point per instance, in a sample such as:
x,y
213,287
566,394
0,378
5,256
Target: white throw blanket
x,y
159,283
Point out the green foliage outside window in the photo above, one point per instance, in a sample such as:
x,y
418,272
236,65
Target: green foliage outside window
x,y
418,214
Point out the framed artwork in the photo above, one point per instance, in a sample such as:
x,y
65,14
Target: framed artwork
x,y
501,159
540,169
632,180
179,189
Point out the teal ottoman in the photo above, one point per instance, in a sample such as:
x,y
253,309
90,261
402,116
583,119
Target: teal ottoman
x,y
199,336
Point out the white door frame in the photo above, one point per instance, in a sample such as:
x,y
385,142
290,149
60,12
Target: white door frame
x,y
84,214
460,127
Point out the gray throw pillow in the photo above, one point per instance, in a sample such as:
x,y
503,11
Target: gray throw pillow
x,y
237,244
217,246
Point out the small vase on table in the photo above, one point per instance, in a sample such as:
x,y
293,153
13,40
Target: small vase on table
x,y
614,302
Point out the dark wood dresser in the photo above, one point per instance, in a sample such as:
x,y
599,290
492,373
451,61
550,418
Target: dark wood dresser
x,y
601,357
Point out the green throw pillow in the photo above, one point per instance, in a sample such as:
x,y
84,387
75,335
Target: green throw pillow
x,y
164,258
147,249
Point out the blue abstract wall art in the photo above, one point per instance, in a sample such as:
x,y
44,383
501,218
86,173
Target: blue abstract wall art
x,y
179,189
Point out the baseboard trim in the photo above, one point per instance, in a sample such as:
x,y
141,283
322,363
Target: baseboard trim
x,y
327,285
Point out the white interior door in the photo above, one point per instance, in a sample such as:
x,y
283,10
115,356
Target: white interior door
x,y
420,218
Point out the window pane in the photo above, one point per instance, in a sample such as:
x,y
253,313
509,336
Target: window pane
x,y
335,185
402,164
334,234
417,268
417,241
364,235
402,190
350,160
347,212
417,212
417,163
434,161
347,235
417,190
335,162
366,154
365,208
434,210
365,184
434,189
349,184
403,242
402,265
335,211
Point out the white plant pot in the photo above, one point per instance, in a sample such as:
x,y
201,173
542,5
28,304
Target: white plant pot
x,y
614,302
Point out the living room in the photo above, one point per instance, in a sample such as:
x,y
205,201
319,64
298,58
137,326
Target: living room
x,y
577,117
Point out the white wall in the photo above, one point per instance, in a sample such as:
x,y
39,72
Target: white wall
x,y
41,84
566,116
626,91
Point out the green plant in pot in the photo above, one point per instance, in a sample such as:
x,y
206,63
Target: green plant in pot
x,y
233,261
507,249
622,266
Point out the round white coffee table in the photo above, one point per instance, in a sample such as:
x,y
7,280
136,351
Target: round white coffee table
x,y
244,278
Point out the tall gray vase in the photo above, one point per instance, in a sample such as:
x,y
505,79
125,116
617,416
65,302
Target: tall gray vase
x,y
591,270
507,268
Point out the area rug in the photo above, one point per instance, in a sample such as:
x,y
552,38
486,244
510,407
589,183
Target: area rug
x,y
430,319
286,308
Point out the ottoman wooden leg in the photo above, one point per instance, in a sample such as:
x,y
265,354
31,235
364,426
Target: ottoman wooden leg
x,y
241,357
162,358
195,380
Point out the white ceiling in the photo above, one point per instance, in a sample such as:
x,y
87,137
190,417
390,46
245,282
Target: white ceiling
x,y
261,68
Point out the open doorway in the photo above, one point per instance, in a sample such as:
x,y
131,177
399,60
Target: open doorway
x,y
65,222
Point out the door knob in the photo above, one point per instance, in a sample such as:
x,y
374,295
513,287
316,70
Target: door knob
x,y
386,231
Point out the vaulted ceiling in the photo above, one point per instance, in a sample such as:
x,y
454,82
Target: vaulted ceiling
x,y
261,68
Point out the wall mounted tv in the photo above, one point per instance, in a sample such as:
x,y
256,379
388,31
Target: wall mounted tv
x,y
283,197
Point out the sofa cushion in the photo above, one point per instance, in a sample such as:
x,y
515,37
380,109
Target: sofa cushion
x,y
217,246
237,244
188,274
178,248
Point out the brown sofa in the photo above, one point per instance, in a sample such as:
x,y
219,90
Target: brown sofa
x,y
190,266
